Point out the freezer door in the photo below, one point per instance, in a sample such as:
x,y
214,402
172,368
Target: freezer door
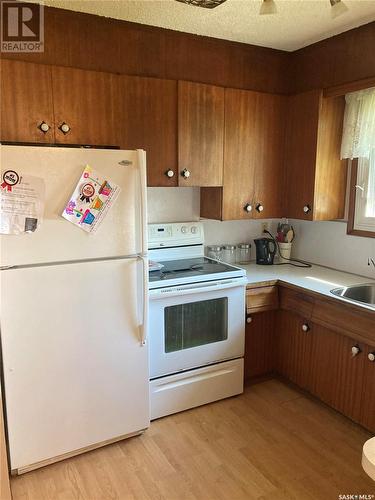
x,y
59,240
75,372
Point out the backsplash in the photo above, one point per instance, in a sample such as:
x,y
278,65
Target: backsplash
x,y
327,243
182,204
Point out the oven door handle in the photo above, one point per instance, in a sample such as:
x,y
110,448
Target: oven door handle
x,y
174,291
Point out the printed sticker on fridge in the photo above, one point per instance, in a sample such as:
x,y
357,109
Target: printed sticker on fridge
x,y
21,202
91,200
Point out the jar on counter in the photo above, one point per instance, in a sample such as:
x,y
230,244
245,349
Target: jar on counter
x,y
243,253
229,254
215,252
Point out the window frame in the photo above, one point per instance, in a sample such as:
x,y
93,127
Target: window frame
x,y
354,204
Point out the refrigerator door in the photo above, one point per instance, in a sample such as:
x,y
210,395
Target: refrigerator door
x,y
58,240
75,373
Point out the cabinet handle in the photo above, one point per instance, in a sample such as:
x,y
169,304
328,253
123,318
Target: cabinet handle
x,y
248,208
355,350
64,127
371,356
305,327
44,127
185,173
249,319
169,173
259,207
306,209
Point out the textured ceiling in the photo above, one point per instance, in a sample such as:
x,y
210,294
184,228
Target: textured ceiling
x,y
298,22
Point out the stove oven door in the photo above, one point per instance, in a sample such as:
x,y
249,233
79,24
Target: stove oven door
x,y
196,325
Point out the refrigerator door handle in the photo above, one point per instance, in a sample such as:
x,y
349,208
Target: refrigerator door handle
x,y
143,198
143,327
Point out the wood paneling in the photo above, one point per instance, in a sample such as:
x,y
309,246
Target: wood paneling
x,y
259,345
300,153
200,134
296,301
87,102
5,493
344,58
367,417
25,102
149,122
331,172
260,299
71,39
345,88
293,348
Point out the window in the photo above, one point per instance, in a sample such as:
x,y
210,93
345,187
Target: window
x,y
358,144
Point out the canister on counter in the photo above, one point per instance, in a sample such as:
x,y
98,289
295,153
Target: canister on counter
x,y
215,252
243,253
229,254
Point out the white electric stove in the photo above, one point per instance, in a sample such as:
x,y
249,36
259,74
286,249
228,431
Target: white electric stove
x,y
197,321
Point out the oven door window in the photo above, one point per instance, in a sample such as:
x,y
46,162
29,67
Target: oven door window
x,y
195,324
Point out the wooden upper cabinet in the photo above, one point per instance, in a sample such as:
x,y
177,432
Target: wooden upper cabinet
x,y
315,177
149,122
26,102
85,103
253,158
200,134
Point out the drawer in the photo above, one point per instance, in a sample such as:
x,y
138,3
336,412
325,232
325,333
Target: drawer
x,y
297,302
265,298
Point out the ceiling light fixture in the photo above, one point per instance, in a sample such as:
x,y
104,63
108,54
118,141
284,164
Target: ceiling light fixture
x,y
268,7
207,4
337,8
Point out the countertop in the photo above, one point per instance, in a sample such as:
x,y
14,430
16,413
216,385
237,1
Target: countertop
x,y
316,279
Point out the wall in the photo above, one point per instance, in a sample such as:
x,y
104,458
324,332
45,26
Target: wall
x,y
327,243
182,204
92,42
98,43
324,243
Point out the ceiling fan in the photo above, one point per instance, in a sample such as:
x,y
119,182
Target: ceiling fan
x,y
268,6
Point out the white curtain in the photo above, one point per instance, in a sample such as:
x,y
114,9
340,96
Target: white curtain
x,y
358,140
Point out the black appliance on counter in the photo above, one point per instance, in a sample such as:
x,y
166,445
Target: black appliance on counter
x,y
265,251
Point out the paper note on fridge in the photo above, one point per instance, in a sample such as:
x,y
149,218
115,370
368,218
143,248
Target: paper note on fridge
x,y
92,198
21,202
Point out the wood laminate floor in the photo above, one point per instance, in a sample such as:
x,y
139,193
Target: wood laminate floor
x,y
271,443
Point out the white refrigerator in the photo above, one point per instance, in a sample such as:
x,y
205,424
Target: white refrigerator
x,y
73,313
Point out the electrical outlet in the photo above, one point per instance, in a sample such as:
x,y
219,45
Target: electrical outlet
x,y
264,226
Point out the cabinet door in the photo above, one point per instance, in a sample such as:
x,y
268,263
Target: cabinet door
x,y
240,154
293,338
337,375
268,155
367,418
259,344
149,122
300,153
200,134
26,102
85,104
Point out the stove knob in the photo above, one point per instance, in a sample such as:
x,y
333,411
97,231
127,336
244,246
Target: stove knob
x,y
184,229
194,229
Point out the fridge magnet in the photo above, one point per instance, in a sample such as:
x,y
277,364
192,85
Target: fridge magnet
x,y
92,198
21,202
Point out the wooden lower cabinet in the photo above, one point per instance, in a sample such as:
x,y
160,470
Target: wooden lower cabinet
x,y
259,344
367,417
315,358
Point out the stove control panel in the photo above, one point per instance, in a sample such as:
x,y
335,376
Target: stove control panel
x,y
175,234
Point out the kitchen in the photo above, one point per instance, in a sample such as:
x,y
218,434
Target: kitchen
x,y
230,378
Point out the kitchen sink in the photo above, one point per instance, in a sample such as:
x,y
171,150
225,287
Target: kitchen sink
x,y
365,294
